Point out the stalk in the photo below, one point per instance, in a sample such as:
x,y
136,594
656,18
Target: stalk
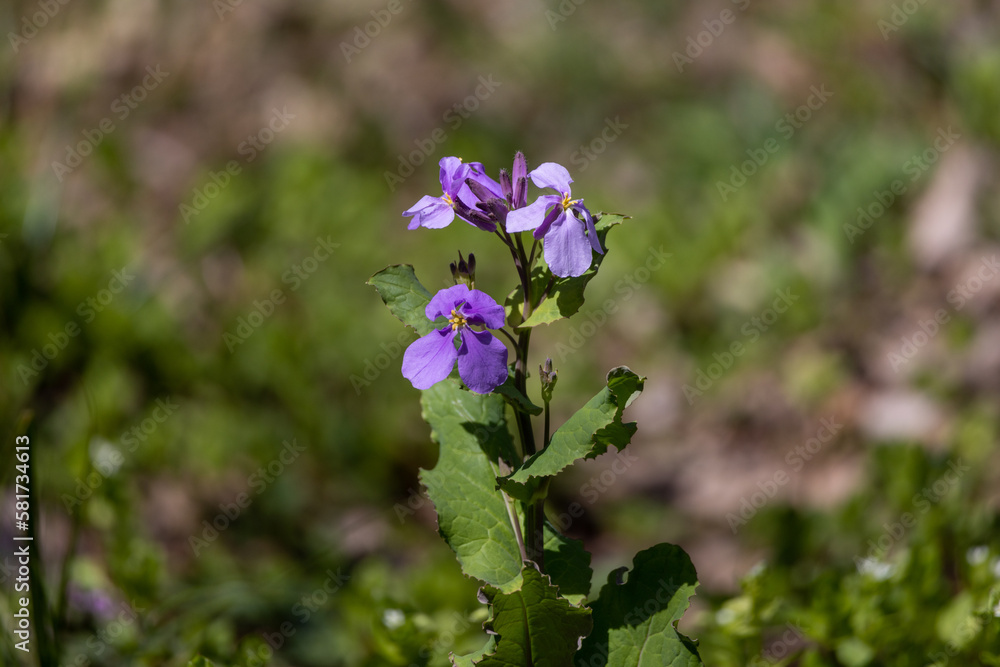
x,y
534,511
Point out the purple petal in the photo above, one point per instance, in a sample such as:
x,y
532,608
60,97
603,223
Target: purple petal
x,y
436,217
446,300
520,180
453,174
481,193
529,217
595,242
567,250
520,166
480,308
430,212
475,218
506,185
465,195
482,361
552,175
557,213
429,360
496,210
424,202
478,174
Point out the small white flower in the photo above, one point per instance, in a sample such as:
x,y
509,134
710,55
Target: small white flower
x,y
977,555
393,618
875,568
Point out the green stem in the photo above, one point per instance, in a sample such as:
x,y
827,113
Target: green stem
x,y
545,442
509,336
534,511
512,515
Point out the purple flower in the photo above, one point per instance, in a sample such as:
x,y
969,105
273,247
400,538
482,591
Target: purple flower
x,y
478,174
482,358
437,212
569,239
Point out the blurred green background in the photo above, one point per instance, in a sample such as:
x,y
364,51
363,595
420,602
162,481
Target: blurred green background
x,y
193,195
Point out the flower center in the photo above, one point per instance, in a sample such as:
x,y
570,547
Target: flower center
x,y
567,202
457,320
448,200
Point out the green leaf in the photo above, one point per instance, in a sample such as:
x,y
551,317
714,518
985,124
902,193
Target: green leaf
x,y
406,298
468,660
517,400
473,516
585,435
200,661
568,564
566,296
635,621
533,625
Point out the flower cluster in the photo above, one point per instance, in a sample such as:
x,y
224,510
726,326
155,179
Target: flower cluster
x,y
562,224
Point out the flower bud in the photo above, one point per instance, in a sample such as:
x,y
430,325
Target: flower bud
x,y
548,377
506,185
520,182
465,271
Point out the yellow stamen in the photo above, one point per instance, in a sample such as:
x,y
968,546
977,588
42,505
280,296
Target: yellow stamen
x,y
457,320
567,202
448,200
